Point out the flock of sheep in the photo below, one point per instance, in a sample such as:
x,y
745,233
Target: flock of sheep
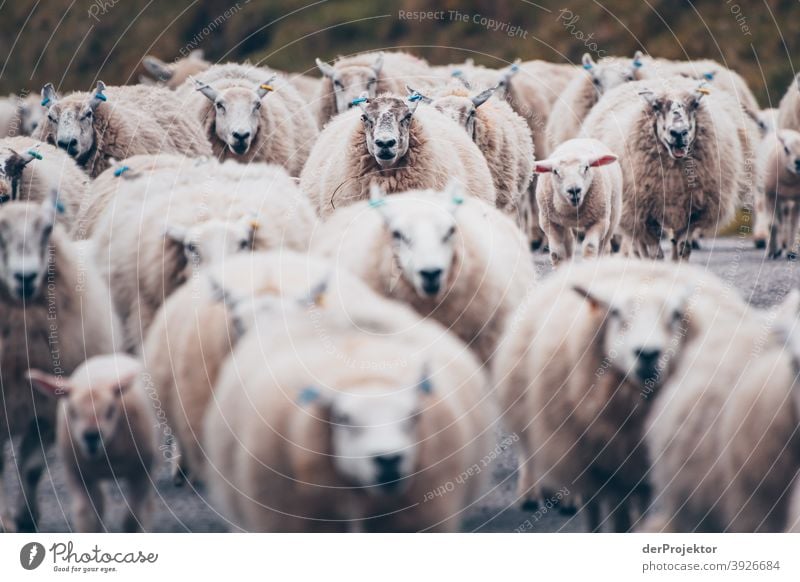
x,y
315,297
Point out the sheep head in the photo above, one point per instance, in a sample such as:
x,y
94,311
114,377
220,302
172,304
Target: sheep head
x,y
611,72
349,81
11,166
25,230
387,127
572,175
158,69
92,398
645,328
675,115
422,228
789,143
70,123
213,240
237,113
461,108
31,114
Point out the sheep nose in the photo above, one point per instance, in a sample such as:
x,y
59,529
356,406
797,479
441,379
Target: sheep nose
x,y
431,280
648,355
69,145
388,462
679,134
91,438
575,194
797,165
26,282
388,467
386,143
241,136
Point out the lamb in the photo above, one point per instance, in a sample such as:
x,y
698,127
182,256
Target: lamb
x,y
251,115
147,250
501,134
105,431
416,462
587,355
580,188
392,143
174,74
31,170
722,434
46,288
96,127
585,90
450,257
372,73
779,165
760,220
704,175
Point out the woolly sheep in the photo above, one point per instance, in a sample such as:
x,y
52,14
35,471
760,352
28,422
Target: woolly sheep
x,y
174,74
31,170
396,145
722,434
146,251
30,114
371,434
105,431
580,367
779,165
768,123
249,114
119,122
372,73
501,134
686,159
580,187
56,309
450,257
584,91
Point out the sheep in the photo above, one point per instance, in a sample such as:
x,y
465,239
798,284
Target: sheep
x,y
584,91
768,122
31,170
249,114
685,156
722,435
30,113
580,188
56,312
105,431
554,77
779,165
283,450
174,74
9,120
578,370
501,134
450,257
373,73
393,143
145,251
119,122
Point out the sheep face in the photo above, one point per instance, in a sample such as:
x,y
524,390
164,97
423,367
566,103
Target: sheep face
x,y
71,127
212,241
790,150
25,255
644,332
31,116
572,175
92,399
351,81
237,115
373,435
11,166
675,121
387,125
611,72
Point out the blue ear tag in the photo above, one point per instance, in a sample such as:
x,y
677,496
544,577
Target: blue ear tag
x,y
59,207
587,66
35,154
307,395
45,101
358,101
415,96
101,97
514,68
377,203
456,73
708,76
425,385
458,199
121,170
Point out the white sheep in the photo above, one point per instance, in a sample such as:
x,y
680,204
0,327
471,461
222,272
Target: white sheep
x,y
322,426
450,257
56,312
32,170
760,220
30,113
686,159
579,368
393,143
146,250
372,73
580,187
779,187
251,115
722,434
174,74
105,432
119,122
502,136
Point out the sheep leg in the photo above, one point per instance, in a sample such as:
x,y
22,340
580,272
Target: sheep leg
x,y
87,503
773,250
139,505
560,243
791,234
594,241
31,463
7,524
593,517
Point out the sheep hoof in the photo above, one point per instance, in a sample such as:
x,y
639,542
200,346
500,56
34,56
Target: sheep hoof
x,y
25,523
760,243
530,504
791,256
616,245
696,245
567,509
776,254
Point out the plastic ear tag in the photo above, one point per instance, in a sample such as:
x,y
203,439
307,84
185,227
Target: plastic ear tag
x,y
358,101
121,170
307,395
35,154
266,87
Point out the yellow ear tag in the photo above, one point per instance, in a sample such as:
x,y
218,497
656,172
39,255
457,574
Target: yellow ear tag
x,y
267,87
255,225
704,91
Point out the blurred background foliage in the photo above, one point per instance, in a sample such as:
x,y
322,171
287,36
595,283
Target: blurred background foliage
x,y
74,42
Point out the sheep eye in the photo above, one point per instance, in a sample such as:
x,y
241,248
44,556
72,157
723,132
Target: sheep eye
x,y
88,114
191,248
407,118
398,236
786,150
338,84
371,82
341,419
109,412
365,119
555,172
52,118
220,106
449,234
244,244
257,105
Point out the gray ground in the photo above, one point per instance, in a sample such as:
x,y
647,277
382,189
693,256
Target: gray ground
x,y
181,509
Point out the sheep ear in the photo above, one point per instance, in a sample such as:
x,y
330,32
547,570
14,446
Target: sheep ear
x,y
157,68
637,59
128,370
50,207
483,96
454,192
197,55
602,160
463,80
587,61
206,90
326,69
542,166
49,96
595,302
377,65
701,91
508,72
48,384
362,101
176,233
16,162
418,96
99,96
651,99
266,87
